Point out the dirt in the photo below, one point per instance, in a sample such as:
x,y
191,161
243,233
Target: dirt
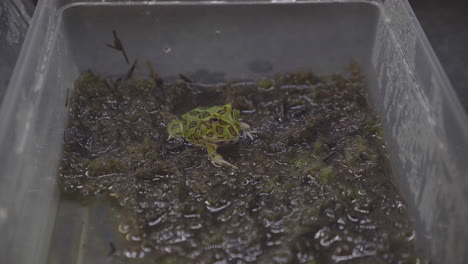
x,y
314,186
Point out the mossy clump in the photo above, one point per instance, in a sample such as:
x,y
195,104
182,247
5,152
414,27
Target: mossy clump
x,y
326,175
372,128
105,165
300,162
265,83
310,262
87,82
358,151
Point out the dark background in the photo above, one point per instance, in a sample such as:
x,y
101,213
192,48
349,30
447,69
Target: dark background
x,y
445,23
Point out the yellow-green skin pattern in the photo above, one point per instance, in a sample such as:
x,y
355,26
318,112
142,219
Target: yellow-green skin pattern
x,y
210,128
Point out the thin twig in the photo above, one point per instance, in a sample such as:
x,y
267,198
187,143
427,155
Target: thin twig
x,y
185,78
66,99
130,71
118,46
113,249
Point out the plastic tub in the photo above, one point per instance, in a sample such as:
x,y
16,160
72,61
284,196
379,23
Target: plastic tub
x,y
425,127
14,19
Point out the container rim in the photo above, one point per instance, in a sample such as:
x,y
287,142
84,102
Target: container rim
x,y
377,3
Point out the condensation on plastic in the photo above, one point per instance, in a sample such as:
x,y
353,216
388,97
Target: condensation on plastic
x,y
426,131
425,128
32,119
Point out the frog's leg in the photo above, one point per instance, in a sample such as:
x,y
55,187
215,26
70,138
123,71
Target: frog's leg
x,y
246,130
175,131
216,158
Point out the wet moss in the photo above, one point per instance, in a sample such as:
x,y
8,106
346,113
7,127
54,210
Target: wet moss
x,y
358,151
315,166
170,261
312,187
87,82
372,128
320,149
414,260
265,83
326,175
300,162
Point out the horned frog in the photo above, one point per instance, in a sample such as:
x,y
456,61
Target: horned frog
x,y
210,128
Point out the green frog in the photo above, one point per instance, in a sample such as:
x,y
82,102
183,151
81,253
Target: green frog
x,y
210,128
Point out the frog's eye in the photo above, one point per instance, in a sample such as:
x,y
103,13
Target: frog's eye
x,y
214,119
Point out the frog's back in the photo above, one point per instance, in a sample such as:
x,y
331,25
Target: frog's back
x,y
198,113
192,124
